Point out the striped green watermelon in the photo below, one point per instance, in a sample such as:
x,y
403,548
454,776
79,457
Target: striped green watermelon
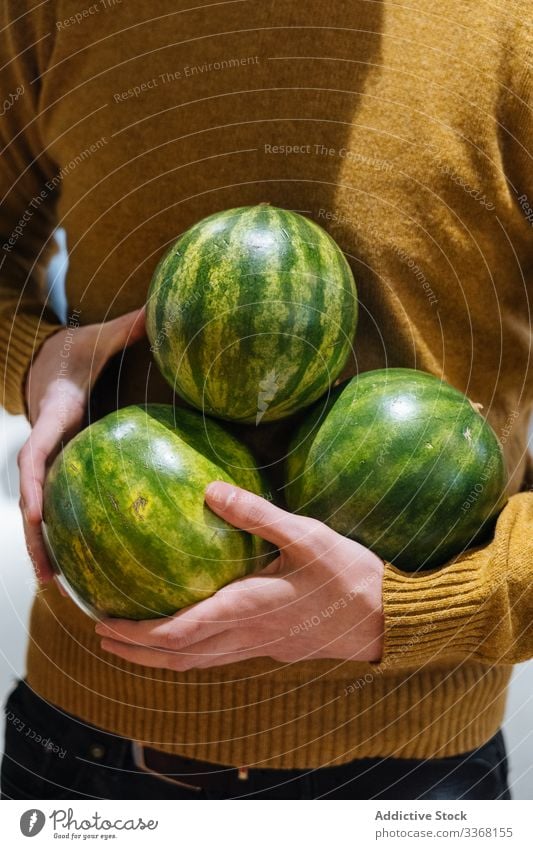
x,y
125,517
402,462
251,314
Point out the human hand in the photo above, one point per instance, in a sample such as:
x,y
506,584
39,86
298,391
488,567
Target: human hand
x,y
57,389
320,598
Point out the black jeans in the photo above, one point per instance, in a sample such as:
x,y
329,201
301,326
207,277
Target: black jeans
x,y
52,755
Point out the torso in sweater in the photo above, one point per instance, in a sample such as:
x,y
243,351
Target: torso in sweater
x,y
389,125
404,130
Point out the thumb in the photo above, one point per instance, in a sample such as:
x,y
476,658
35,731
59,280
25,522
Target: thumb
x,y
250,512
119,333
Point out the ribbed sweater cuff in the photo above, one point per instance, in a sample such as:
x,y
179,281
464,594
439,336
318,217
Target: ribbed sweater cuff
x,y
20,342
454,613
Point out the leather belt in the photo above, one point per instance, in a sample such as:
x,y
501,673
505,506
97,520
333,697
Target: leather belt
x,y
184,772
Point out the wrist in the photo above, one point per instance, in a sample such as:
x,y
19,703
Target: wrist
x,y
373,607
32,375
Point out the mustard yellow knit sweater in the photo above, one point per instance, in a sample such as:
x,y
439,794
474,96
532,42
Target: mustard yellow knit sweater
x,y
405,129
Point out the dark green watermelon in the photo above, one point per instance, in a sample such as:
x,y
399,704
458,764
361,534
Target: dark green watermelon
x,y
251,314
402,462
125,517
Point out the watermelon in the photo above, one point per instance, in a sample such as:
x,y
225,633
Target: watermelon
x,y
401,462
125,519
251,314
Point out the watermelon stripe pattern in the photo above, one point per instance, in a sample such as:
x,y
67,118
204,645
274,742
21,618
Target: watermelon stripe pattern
x,y
251,314
125,518
401,462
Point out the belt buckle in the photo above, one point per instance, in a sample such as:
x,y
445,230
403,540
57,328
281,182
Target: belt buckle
x,y
137,751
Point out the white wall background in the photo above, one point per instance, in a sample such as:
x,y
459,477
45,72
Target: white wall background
x,y
16,588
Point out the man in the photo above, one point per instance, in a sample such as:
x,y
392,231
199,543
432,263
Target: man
x,y
407,134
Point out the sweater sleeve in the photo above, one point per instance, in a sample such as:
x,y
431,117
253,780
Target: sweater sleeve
x,y
480,605
27,192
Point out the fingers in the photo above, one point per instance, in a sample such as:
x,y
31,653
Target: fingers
x,y
273,568
258,516
228,647
198,622
60,413
230,642
36,549
42,444
57,421
44,439
235,606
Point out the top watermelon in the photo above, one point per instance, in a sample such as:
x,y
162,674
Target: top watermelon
x,y
251,314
